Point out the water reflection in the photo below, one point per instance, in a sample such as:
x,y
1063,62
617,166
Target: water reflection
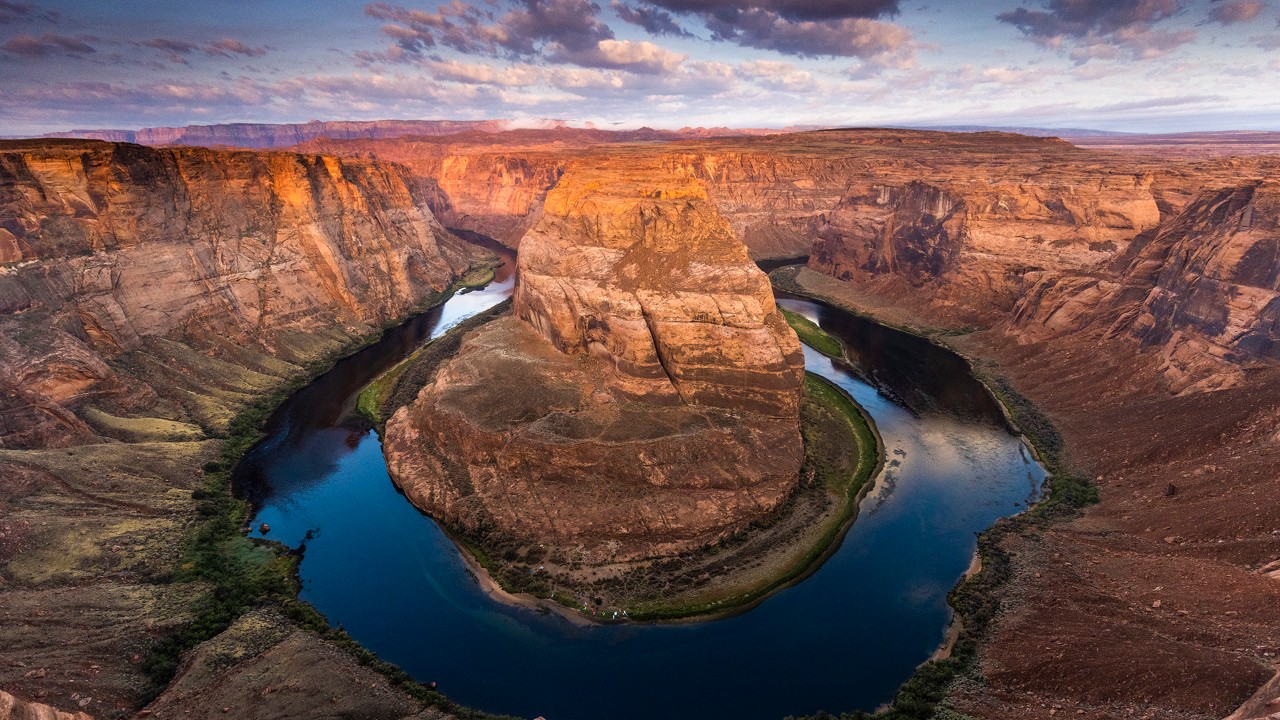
x,y
844,638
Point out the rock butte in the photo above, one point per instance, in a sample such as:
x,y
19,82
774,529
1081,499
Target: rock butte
x,y
644,401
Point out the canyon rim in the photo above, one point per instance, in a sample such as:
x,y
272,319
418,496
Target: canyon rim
x,y
887,360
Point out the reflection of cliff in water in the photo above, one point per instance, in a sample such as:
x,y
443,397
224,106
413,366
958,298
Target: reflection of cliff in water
x,y
318,426
924,377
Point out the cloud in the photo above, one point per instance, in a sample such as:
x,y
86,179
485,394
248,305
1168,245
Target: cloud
x,y
570,24
176,51
1102,29
520,75
1238,11
967,76
638,57
1082,18
777,75
789,9
848,37
11,11
30,46
655,21
1140,43
226,47
824,28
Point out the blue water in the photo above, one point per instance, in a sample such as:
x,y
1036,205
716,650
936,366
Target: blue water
x,y
842,639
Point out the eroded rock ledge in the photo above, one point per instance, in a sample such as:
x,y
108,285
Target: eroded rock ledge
x,y
642,402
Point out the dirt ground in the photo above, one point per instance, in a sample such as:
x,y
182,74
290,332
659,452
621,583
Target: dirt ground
x,y
1161,601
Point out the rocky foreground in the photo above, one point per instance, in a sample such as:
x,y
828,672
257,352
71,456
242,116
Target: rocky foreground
x,y
146,298
643,402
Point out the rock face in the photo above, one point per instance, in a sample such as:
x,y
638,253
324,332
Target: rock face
x,y
12,708
146,297
653,281
643,402
108,245
1203,288
477,185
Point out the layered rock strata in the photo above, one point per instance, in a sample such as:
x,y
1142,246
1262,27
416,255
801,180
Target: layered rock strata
x,y
108,247
642,402
146,297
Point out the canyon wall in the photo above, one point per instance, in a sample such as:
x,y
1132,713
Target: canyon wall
x,y
642,402
1200,289
1030,236
477,184
147,296
108,247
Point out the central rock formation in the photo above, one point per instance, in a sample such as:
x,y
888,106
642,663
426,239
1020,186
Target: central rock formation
x,y
643,401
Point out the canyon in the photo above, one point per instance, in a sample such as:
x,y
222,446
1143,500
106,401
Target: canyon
x,y
148,298
147,294
642,403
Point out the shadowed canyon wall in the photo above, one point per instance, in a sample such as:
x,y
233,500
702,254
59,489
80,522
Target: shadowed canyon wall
x,y
109,247
146,297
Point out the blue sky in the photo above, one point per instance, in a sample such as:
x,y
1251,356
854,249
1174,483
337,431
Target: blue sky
x,y
1136,65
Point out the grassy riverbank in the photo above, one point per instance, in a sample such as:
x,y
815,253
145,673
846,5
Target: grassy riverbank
x,y
235,574
812,335
977,598
842,455
400,384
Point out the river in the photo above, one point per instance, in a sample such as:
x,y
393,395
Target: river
x,y
844,638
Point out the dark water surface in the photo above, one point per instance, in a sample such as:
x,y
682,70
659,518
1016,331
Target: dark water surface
x,y
844,638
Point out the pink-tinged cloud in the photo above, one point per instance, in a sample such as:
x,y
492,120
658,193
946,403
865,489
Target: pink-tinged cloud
x,y
1102,29
226,47
31,46
1239,11
848,37
777,75
637,57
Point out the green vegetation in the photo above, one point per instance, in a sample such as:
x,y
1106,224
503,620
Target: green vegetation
x,y
142,429
813,336
238,574
832,425
399,385
977,598
476,278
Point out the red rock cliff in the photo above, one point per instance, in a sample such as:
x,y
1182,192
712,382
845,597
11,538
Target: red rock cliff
x,y
645,400
107,245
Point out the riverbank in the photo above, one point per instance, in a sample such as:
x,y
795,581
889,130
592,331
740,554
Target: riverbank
x,y
842,454
242,577
976,598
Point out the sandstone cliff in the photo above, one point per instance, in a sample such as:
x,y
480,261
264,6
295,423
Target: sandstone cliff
x,y
1201,289
643,403
146,297
478,184
109,248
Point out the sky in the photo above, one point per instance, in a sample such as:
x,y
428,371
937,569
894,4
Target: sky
x,y
1127,65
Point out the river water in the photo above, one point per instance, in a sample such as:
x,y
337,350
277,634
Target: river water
x,y
844,638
